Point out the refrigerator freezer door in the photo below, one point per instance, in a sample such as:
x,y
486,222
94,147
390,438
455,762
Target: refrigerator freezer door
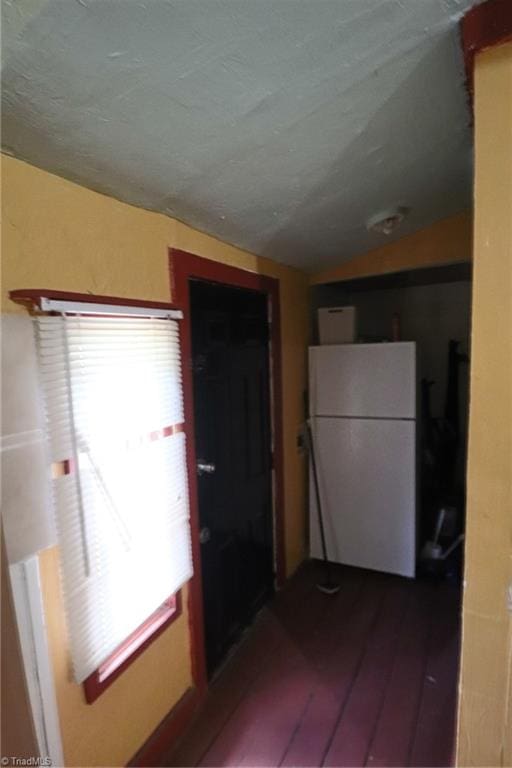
x,y
369,380
367,480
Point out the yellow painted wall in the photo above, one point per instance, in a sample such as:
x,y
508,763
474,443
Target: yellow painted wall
x,y
485,722
58,235
446,242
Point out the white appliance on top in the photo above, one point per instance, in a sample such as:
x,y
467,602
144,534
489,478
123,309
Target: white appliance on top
x,y
337,325
363,419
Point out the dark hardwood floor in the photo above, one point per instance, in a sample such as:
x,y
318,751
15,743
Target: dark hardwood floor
x,y
367,677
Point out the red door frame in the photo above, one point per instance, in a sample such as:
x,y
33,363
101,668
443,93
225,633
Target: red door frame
x,y
184,267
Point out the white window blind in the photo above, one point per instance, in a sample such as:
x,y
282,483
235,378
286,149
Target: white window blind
x,y
112,389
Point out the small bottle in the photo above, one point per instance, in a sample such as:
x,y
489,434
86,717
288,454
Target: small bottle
x,y
395,327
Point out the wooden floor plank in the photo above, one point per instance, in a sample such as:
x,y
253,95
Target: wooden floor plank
x,y
335,673
367,676
359,716
242,669
227,691
391,742
433,742
260,731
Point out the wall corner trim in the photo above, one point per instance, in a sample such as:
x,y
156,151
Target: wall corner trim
x,y
484,26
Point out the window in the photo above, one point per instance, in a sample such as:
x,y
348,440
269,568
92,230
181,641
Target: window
x,y
113,396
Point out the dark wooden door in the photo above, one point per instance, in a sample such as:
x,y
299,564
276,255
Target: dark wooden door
x,y
230,345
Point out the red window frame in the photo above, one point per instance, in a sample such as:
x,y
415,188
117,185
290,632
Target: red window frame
x,y
171,609
149,630
131,648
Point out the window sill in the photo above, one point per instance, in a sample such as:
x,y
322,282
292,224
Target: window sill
x,y
131,648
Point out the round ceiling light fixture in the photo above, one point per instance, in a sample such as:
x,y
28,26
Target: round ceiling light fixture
x,y
385,222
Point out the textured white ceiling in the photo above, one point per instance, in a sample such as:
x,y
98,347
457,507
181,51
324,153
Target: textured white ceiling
x,y
276,125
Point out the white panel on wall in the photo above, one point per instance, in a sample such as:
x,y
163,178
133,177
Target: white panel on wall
x,y
25,489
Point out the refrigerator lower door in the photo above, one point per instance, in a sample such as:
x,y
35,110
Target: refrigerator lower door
x,y
367,477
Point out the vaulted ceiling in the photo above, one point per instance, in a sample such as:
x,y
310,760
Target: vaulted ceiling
x,y
276,125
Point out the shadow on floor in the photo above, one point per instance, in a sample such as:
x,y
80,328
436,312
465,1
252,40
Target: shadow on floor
x,y
366,677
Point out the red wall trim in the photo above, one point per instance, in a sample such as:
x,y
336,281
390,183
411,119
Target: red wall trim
x,y
183,267
33,295
170,729
482,27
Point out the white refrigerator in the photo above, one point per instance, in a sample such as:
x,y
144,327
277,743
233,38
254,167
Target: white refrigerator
x,y
363,419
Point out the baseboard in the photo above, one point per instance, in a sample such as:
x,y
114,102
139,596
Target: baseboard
x,y
168,732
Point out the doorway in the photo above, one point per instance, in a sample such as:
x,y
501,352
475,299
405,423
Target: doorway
x,y
230,365
428,310
186,271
